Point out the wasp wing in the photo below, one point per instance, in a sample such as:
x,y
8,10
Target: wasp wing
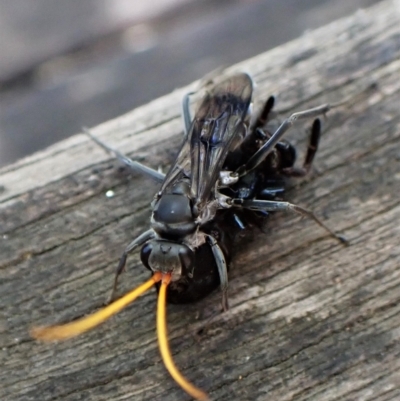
x,y
180,169
217,123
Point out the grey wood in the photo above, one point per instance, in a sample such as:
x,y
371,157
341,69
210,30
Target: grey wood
x,y
309,319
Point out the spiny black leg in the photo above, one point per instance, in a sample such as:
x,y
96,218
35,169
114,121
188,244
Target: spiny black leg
x,y
310,214
140,240
238,221
118,272
263,116
313,144
222,269
266,149
275,206
311,151
187,118
133,165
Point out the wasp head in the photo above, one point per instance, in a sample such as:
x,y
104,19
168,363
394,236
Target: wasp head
x,y
168,257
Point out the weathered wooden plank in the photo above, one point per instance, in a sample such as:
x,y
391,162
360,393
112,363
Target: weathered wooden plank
x,y
309,319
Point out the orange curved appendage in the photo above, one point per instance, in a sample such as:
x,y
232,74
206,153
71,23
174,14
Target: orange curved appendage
x,y
65,331
164,346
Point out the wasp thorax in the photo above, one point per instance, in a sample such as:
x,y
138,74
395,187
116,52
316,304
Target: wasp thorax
x,y
172,215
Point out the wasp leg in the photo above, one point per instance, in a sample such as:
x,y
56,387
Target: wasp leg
x,y
311,151
264,151
264,115
187,118
239,222
140,240
222,269
275,206
134,166
272,192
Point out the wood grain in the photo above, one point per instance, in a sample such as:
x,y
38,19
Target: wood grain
x,y
309,319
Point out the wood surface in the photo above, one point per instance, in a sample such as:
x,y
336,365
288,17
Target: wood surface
x,y
310,319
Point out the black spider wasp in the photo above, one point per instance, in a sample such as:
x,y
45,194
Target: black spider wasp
x,y
226,167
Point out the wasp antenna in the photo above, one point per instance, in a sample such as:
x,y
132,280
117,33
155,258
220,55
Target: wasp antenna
x,y
162,334
65,331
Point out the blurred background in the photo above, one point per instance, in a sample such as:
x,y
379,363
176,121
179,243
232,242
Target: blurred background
x,y
73,63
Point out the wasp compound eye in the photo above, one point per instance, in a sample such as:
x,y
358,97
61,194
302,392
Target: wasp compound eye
x,y
145,254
